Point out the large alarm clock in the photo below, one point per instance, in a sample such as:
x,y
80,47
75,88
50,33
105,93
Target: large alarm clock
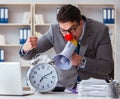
x,y
42,76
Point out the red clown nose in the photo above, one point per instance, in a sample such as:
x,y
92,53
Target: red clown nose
x,y
68,37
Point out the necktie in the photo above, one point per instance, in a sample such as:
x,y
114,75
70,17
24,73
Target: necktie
x,y
77,48
77,51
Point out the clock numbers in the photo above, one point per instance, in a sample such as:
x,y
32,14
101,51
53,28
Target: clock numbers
x,y
35,72
34,82
38,68
43,67
32,76
42,86
48,68
48,85
43,77
51,81
53,77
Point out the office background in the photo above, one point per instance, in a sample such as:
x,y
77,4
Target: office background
x,y
116,2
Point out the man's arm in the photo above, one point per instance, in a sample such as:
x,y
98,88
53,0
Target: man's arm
x,y
103,62
33,45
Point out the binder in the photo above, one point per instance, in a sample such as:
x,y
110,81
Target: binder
x,y
2,15
21,32
57,10
39,19
25,34
27,18
5,15
28,32
105,20
109,15
112,15
1,55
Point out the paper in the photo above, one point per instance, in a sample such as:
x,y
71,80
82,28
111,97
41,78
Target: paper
x,y
97,88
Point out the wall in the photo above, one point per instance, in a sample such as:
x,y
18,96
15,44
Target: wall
x,y
60,1
116,2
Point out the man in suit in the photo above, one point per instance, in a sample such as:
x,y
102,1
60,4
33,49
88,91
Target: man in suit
x,y
95,56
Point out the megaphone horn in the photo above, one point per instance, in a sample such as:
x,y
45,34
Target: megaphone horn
x,y
62,60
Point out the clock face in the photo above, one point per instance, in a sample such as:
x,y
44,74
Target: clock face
x,y
43,77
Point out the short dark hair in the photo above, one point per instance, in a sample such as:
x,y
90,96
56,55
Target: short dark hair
x,y
69,13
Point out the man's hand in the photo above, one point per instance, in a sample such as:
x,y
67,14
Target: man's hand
x,y
30,44
76,59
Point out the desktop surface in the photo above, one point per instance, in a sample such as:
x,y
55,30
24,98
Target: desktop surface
x,y
53,95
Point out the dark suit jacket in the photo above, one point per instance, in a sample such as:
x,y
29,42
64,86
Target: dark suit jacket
x,y
95,46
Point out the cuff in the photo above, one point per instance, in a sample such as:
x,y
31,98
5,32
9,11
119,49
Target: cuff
x,y
23,53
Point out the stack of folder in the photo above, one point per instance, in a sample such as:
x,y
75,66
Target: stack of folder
x,y
108,15
24,34
3,15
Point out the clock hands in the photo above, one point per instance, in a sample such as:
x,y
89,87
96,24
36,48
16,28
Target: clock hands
x,y
48,74
45,76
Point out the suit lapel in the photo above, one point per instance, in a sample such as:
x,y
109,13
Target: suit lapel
x,y
84,46
85,40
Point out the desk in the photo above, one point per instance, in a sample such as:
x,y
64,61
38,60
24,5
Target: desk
x,y
52,96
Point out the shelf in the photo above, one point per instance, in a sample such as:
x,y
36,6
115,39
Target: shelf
x,y
10,30
16,11
25,64
46,24
10,45
110,25
14,24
